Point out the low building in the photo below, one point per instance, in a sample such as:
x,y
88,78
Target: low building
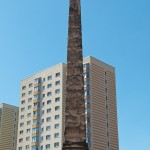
x,y
8,127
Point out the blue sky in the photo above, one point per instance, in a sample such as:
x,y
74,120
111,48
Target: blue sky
x,y
33,36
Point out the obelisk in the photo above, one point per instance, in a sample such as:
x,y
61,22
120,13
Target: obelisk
x,y
75,134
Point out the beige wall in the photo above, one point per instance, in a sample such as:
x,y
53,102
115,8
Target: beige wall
x,y
8,127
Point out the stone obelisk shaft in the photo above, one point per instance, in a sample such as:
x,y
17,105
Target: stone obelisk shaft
x,y
75,133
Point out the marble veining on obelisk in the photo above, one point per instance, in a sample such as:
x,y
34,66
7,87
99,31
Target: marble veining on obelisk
x,y
75,133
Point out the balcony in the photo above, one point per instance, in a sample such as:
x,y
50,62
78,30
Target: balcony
x,y
37,84
36,101
36,125
35,144
36,117
35,134
36,108
37,92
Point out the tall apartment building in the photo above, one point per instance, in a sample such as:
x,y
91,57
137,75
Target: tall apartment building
x,y
41,110
8,126
101,109
42,107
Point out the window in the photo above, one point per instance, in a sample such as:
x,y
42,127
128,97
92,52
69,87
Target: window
x,y
21,140
49,93
22,117
30,85
56,126
20,148
88,129
57,83
49,110
43,95
106,106
35,139
108,134
87,92
22,109
87,101
47,146
35,148
48,137
87,66
42,138
36,113
48,128
42,121
42,112
87,120
30,106
30,92
42,147
107,115
28,130
57,99
57,74
28,138
57,108
37,88
88,140
29,115
48,119
43,88
49,102
29,99
42,130
36,121
37,80
37,104
56,144
56,135
35,130
49,85
23,87
27,147
28,122
21,132
87,111
37,96
49,78
43,79
86,75
23,102
86,83
57,91
56,116
22,124
23,94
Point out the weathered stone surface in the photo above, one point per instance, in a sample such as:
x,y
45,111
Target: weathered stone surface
x,y
75,133
75,146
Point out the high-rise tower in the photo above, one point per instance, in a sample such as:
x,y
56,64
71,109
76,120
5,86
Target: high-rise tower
x,y
75,133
